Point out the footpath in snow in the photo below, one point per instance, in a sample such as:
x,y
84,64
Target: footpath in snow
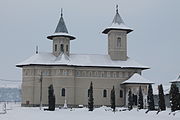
x,y
103,113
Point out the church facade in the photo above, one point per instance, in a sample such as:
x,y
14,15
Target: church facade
x,y
71,74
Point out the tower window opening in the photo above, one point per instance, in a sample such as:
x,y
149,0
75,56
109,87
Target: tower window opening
x,y
55,47
62,48
118,42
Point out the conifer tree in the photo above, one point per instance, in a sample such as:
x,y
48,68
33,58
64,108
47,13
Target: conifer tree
x,y
150,98
51,98
140,99
162,105
113,105
174,96
91,99
130,100
178,99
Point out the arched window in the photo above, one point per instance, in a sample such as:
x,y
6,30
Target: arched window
x,y
121,93
90,74
63,92
88,92
104,93
67,48
118,42
55,47
62,48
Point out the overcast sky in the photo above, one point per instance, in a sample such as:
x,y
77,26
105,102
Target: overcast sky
x,y
155,41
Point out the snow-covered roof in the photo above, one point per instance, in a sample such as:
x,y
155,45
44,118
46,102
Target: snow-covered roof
x,y
117,24
79,60
61,30
137,79
166,89
61,34
10,84
176,80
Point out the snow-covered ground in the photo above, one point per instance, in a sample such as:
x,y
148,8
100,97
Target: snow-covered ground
x,y
26,113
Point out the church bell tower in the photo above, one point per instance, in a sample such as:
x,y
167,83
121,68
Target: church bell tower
x,y
117,38
61,39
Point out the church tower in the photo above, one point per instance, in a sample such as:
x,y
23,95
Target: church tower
x,y
117,38
61,39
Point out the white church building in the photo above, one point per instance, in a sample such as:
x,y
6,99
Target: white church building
x,y
71,74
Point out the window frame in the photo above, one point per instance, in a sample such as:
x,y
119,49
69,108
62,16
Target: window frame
x,y
104,93
63,92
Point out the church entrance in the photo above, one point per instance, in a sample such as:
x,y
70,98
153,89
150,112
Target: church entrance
x,y
134,99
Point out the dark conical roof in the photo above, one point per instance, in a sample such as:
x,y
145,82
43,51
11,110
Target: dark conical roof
x,y
61,27
61,30
117,24
117,19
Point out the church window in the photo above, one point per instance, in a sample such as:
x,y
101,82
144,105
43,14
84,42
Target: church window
x,y
118,42
104,93
88,92
78,73
55,47
63,92
70,72
65,72
66,48
95,74
90,74
114,74
102,74
84,73
62,48
120,74
121,93
108,74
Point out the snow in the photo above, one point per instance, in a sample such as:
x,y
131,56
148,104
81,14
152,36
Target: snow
x,y
80,60
166,89
102,113
136,78
61,34
119,26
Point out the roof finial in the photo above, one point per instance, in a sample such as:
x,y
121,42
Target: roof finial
x,y
116,8
61,12
37,51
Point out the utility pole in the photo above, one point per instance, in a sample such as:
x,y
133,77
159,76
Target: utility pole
x,y
41,91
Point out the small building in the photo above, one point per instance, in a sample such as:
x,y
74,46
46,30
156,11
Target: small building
x,y
71,74
133,83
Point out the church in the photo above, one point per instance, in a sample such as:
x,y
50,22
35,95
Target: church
x,y
71,74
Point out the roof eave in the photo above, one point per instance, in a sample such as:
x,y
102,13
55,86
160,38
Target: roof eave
x,y
21,65
136,83
108,29
52,36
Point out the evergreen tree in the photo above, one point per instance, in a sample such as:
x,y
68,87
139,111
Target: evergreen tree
x,y
130,100
91,99
162,105
178,99
174,96
150,98
140,99
113,105
51,98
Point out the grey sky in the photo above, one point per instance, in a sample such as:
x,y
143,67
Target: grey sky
x,y
154,42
